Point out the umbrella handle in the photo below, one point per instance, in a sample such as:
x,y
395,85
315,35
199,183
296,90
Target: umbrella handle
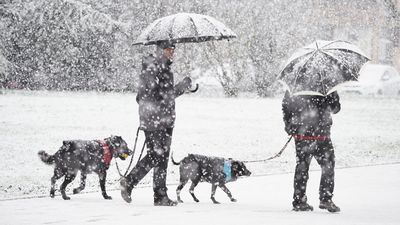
x,y
195,89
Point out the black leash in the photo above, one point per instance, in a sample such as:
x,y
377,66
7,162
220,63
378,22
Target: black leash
x,y
144,144
132,155
274,156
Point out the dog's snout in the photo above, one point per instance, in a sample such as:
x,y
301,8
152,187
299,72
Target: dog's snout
x,y
247,172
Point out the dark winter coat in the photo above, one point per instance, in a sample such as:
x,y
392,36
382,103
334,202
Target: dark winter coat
x,y
309,115
157,93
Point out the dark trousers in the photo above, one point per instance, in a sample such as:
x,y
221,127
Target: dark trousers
x,y
158,147
322,151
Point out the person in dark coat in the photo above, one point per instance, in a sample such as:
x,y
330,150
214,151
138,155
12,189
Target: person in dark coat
x,y
156,99
308,119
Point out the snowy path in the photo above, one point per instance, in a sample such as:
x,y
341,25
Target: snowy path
x,y
367,195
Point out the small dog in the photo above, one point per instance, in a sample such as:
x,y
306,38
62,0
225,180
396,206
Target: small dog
x,y
217,171
85,156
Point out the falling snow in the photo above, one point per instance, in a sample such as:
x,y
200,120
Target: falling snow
x,y
69,70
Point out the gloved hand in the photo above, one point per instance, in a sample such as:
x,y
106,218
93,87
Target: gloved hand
x,y
290,130
187,83
333,102
183,86
332,98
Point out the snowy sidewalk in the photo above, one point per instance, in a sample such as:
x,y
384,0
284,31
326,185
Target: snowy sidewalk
x,y
366,195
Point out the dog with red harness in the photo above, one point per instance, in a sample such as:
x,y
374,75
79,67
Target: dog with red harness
x,y
85,156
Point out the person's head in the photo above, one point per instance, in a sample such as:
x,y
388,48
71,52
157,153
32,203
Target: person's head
x,y
169,53
166,50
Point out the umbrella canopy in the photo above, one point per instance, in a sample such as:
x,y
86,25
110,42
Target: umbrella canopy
x,y
317,68
184,27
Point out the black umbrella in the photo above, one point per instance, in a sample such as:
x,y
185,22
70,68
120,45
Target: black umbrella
x,y
182,28
317,68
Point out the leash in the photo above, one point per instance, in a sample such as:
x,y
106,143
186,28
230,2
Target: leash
x,y
132,155
274,156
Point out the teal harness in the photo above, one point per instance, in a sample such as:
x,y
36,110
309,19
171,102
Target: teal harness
x,y
228,170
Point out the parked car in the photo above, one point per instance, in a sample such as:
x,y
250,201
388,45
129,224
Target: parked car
x,y
376,80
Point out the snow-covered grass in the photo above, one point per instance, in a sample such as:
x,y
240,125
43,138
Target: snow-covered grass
x,y
365,132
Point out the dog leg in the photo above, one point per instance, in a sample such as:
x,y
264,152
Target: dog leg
x,y
57,175
68,179
213,190
179,188
102,178
226,190
191,190
82,184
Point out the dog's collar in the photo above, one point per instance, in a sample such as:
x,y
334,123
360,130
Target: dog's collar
x,y
107,153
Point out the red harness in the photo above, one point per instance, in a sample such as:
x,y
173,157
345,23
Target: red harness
x,y
107,154
310,138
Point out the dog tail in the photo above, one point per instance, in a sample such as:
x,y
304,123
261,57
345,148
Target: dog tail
x,y
46,158
173,161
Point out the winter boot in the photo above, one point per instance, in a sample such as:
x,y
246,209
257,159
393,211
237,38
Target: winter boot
x,y
302,206
329,205
164,201
125,190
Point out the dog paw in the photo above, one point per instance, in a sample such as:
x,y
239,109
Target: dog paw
x,y
107,197
76,190
66,198
233,200
180,201
52,191
214,201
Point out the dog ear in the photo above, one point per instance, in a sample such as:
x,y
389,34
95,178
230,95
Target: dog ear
x,y
234,165
242,166
116,138
120,139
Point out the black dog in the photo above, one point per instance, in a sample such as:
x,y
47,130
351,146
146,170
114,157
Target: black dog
x,y
217,171
85,156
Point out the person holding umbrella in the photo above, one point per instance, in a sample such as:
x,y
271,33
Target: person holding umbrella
x,y
311,74
308,119
157,93
156,99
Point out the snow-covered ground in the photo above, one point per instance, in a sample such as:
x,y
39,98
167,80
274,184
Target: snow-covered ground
x,y
366,195
365,132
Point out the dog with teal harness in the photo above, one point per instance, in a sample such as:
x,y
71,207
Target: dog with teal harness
x,y
215,170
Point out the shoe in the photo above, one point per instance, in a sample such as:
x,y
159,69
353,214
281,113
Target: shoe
x,y
329,205
302,206
125,191
164,201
